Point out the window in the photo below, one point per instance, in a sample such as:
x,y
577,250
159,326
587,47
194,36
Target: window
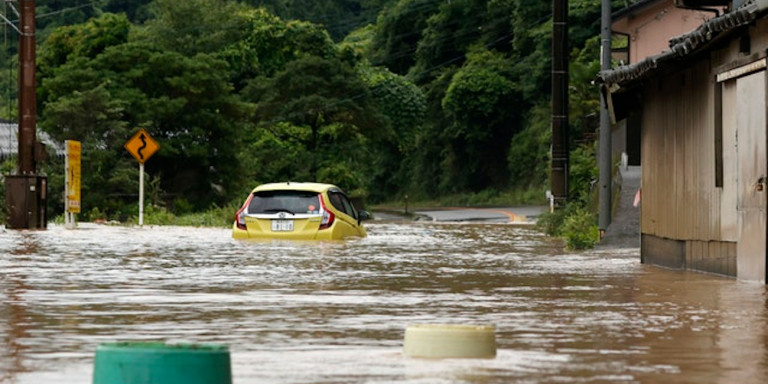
x,y
719,135
285,201
342,203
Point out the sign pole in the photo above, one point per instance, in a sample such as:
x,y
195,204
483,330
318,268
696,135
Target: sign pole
x,y
141,194
69,223
72,183
141,146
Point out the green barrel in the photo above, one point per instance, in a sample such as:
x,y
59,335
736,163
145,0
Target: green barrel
x,y
158,363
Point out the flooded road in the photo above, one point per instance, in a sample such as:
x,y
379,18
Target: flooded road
x,y
307,312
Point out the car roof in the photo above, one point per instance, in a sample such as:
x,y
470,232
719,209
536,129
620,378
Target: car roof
x,y
294,186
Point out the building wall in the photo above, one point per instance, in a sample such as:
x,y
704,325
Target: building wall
x,y
650,29
679,197
718,257
704,149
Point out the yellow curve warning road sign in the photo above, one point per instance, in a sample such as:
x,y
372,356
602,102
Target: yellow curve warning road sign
x,y
142,146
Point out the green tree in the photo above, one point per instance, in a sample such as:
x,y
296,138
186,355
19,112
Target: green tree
x,y
322,105
136,10
181,101
337,17
268,43
532,30
51,14
403,104
529,151
426,173
399,30
86,40
194,26
479,105
447,37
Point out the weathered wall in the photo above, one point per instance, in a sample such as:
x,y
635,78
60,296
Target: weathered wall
x,y
706,256
650,30
679,198
704,151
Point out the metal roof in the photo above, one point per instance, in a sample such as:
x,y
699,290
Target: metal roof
x,y
684,46
9,140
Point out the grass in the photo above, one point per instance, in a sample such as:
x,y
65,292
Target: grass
x,y
213,217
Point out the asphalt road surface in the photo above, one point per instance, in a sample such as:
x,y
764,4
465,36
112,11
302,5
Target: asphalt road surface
x,y
517,215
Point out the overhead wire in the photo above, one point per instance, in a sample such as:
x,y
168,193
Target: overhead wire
x,y
58,11
446,63
68,9
424,6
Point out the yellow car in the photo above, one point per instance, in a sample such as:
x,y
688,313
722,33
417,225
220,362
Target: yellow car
x,y
301,211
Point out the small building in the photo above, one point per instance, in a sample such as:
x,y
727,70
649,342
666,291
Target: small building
x,y
9,141
701,110
645,29
649,24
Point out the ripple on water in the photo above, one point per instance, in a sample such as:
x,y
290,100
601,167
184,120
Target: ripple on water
x,y
317,312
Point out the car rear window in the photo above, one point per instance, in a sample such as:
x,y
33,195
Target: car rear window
x,y
285,201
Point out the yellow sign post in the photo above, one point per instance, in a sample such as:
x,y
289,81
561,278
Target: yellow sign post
x,y
72,179
141,146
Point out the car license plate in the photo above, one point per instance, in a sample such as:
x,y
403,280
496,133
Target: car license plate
x,y
282,225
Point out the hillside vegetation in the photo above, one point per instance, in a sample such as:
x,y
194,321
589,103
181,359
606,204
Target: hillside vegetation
x,y
385,98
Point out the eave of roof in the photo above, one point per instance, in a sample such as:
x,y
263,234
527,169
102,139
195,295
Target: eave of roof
x,y
684,46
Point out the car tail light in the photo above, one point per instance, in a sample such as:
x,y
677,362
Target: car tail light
x,y
240,215
328,216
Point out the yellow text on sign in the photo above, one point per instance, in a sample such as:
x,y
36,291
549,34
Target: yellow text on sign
x,y
72,181
141,146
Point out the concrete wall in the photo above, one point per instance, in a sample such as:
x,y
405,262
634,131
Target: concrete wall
x,y
715,257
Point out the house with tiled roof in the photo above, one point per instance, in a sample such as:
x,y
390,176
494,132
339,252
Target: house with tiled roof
x,y
641,30
701,109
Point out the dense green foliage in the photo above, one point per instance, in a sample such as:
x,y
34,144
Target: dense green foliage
x,y
385,98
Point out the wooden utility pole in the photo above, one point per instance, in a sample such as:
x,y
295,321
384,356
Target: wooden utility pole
x,y
605,194
27,96
560,147
25,192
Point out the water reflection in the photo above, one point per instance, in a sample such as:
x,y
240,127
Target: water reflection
x,y
336,312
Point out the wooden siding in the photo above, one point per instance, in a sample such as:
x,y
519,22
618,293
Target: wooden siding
x,y
751,148
679,197
728,214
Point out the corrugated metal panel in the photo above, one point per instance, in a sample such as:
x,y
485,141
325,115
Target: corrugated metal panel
x,y
9,142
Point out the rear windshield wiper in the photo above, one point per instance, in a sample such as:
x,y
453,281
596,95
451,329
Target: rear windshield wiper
x,y
279,210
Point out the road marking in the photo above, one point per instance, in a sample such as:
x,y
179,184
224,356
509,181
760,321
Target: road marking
x,y
513,218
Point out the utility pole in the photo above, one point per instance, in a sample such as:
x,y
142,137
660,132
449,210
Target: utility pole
x,y
25,192
605,153
27,96
560,146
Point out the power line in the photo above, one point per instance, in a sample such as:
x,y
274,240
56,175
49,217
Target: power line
x,y
444,64
64,10
57,12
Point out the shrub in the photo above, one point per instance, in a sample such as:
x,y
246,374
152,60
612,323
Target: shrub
x,y
579,229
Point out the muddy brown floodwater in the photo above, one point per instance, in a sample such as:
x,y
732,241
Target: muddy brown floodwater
x,y
304,312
